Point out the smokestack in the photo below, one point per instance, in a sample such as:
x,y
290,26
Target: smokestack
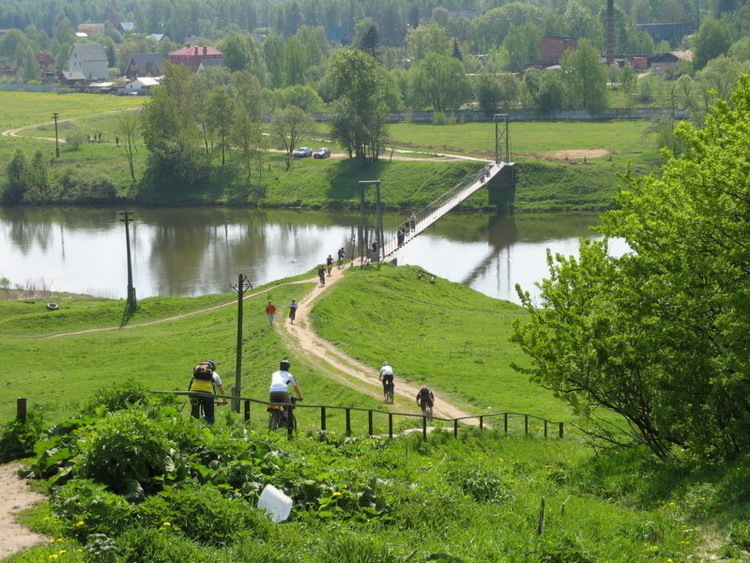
x,y
610,55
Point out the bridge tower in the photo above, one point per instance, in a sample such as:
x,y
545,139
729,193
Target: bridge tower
x,y
502,187
365,248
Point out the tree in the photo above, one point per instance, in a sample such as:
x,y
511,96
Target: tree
x,y
439,81
585,76
367,38
127,126
289,126
18,174
712,40
169,131
523,46
428,39
661,335
219,114
359,112
488,93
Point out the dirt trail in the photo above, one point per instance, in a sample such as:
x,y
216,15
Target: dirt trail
x,y
332,361
15,495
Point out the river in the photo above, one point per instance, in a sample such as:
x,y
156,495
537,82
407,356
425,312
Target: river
x,y
195,251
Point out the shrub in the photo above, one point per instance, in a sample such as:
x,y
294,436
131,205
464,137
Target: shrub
x,y
482,485
85,508
17,438
158,545
203,515
128,452
120,396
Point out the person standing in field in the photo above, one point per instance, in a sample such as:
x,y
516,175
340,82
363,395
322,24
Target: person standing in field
x,y
292,311
271,312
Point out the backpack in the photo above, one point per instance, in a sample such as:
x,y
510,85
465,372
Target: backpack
x,y
204,373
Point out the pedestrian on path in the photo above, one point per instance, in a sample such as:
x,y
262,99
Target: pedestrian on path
x,y
271,312
292,311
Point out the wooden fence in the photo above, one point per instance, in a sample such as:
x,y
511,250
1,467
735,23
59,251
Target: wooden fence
x,y
325,411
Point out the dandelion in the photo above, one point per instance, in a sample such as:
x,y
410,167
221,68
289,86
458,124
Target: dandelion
x,y
62,551
80,523
166,524
336,494
54,556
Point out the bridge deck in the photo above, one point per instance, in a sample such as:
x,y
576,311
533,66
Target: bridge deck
x,y
428,216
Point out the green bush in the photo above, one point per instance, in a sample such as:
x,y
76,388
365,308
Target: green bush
x,y
129,453
203,515
17,438
120,396
85,508
158,545
482,485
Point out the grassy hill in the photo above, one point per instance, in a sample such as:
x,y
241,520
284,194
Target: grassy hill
x,y
481,497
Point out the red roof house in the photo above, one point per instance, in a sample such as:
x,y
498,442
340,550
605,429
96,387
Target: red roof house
x,y
193,56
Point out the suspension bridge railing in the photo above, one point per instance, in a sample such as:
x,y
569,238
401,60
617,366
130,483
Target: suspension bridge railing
x,y
436,208
500,419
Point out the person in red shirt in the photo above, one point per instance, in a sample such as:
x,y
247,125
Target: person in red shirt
x,y
271,312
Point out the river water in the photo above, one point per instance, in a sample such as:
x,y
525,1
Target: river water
x,y
194,251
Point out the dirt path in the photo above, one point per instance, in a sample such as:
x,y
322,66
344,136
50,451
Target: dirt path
x,y
341,367
15,495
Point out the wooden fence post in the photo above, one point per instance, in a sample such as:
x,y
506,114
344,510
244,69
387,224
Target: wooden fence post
x,y
481,423
390,425
21,410
526,424
545,427
369,422
560,430
322,418
505,423
348,422
424,427
247,410
455,428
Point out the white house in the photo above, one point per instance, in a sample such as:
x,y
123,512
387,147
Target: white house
x,y
140,85
89,59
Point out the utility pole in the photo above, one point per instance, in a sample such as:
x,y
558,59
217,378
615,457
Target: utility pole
x,y
243,284
131,290
57,140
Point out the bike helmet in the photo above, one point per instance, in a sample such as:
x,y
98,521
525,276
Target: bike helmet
x,y
385,364
285,365
211,364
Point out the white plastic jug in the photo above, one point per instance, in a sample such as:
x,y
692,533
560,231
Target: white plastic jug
x,y
276,503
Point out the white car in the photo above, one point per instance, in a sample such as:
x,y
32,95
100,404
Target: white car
x,y
302,152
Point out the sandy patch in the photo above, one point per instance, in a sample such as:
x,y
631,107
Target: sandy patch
x,y
576,154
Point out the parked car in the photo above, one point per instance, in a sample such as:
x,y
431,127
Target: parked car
x,y
322,152
302,152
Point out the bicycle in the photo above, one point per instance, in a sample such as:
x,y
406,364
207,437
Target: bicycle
x,y
281,416
427,411
388,392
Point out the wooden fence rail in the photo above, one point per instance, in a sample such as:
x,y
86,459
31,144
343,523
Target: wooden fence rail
x,y
324,413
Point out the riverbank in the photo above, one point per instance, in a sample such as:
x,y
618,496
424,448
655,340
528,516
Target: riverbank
x,y
561,165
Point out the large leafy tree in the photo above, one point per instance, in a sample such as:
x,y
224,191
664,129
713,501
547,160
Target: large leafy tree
x,y
585,76
661,335
169,130
439,81
713,39
359,112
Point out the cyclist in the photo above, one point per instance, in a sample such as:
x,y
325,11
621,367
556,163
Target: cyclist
x,y
386,377
322,274
425,400
329,264
202,386
280,382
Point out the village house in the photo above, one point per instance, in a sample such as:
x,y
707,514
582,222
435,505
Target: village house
x,y
191,57
88,60
141,85
669,61
145,64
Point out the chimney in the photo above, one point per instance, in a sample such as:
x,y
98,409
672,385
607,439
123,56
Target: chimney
x,y
205,50
195,52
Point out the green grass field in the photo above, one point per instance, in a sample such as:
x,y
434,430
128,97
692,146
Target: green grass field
x,y
547,181
477,498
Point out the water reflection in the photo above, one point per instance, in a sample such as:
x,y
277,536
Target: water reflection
x,y
195,251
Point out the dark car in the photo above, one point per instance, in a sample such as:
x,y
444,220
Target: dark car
x,y
322,152
302,152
